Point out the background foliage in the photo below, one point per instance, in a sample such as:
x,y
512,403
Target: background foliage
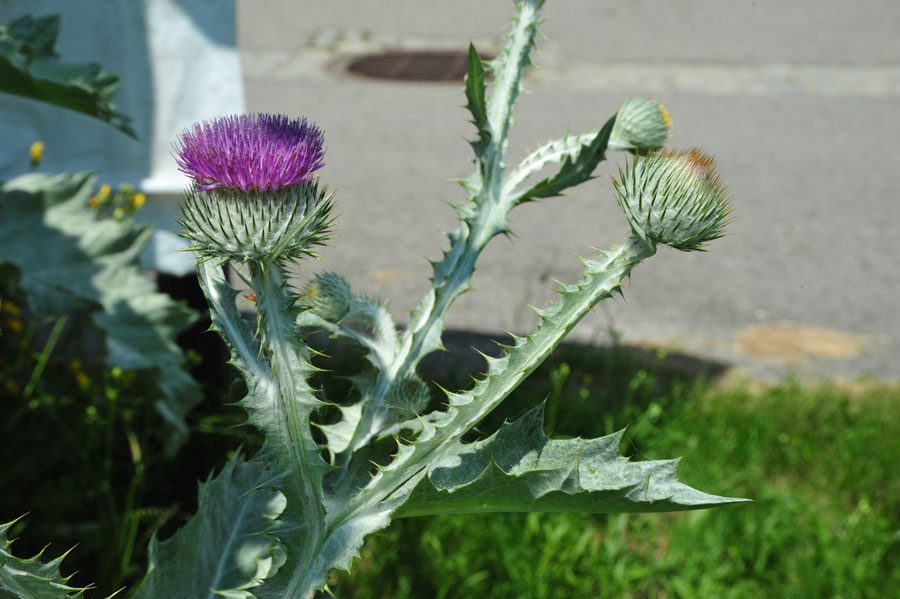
x,y
30,67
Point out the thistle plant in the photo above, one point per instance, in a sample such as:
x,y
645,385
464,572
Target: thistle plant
x,y
331,472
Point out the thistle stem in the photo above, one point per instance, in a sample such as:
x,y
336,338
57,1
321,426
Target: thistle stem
x,y
603,275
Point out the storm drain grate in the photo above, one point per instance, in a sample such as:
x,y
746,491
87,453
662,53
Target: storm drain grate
x,y
412,65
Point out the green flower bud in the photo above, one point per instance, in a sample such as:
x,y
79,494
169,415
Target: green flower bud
x,y
674,198
410,395
257,226
642,125
329,295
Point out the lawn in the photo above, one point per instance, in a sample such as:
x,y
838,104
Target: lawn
x,y
819,461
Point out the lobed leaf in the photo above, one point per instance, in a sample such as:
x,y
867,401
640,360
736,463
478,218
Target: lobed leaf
x,y
520,469
438,433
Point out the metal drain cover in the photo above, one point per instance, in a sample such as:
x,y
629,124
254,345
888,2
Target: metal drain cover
x,y
412,65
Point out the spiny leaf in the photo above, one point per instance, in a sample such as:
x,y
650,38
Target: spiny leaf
x,y
31,578
520,469
475,94
480,219
330,305
225,549
579,155
29,67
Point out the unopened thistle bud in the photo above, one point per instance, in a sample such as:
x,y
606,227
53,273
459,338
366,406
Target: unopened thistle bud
x,y
674,198
255,195
410,395
642,125
329,295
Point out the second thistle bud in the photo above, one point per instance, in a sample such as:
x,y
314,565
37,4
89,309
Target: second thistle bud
x,y
329,295
642,125
674,198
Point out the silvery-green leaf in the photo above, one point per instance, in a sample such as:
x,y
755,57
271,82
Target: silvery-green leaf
x,y
520,469
225,549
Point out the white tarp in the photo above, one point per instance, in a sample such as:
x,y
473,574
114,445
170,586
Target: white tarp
x,y
179,64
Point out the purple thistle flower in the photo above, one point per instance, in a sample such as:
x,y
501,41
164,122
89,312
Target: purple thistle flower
x,y
257,151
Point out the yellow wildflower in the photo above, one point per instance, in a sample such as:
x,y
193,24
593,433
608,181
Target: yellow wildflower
x,y
82,379
36,151
11,308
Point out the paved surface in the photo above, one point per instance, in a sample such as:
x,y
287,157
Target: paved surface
x,y
799,103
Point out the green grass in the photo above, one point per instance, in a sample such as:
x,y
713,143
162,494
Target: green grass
x,y
821,463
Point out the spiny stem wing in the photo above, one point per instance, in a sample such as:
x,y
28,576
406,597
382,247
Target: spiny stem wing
x,y
279,402
484,214
507,68
283,413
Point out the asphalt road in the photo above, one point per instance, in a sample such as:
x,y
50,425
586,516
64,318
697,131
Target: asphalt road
x,y
797,101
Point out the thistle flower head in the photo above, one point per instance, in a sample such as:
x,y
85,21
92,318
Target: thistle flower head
x,y
642,125
674,198
257,151
255,195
